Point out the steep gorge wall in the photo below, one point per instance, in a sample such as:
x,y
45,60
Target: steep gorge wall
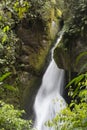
x,y
35,42
74,57
71,52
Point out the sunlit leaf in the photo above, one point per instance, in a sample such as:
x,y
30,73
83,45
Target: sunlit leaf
x,y
10,87
4,76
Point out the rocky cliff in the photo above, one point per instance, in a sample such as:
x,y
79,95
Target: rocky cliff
x,y
28,31
35,42
71,53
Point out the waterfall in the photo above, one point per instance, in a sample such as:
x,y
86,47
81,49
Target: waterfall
x,y
48,100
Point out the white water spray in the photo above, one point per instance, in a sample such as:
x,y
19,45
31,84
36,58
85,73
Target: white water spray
x,y
48,99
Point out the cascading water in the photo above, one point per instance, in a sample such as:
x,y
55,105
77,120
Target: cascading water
x,y
48,99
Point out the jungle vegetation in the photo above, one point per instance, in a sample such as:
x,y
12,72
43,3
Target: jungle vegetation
x,y
12,13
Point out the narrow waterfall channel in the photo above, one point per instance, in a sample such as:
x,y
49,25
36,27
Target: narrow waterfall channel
x,y
48,100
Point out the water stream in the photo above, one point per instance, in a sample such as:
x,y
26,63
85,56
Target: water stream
x,y
48,100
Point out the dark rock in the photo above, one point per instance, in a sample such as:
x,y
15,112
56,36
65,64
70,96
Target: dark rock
x,y
72,57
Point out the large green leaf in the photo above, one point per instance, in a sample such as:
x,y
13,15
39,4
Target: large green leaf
x,y
10,87
4,76
76,80
80,56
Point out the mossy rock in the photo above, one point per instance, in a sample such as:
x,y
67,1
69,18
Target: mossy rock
x,y
71,54
61,57
29,95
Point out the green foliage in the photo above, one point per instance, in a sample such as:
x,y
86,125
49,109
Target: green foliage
x,y
59,13
71,120
11,13
77,84
4,86
74,116
45,10
21,8
7,40
60,4
83,68
4,76
10,118
76,18
80,56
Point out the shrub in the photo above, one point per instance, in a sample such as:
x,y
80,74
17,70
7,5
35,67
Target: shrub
x,y
10,119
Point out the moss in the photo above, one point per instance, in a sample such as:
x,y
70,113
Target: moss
x,y
58,13
68,51
29,94
10,95
61,57
37,60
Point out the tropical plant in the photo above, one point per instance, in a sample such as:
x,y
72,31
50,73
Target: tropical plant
x,y
76,20
75,119
6,87
74,116
12,12
10,118
77,84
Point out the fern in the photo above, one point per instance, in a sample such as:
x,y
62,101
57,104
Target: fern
x,y
11,88
80,56
83,68
4,76
76,80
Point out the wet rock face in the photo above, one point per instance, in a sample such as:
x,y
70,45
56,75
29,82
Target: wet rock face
x,y
32,41
79,54
32,59
72,57
36,39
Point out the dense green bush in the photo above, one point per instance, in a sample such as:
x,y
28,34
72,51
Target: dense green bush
x,y
11,13
43,9
10,119
76,20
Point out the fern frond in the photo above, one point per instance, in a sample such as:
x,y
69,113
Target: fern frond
x,y
80,56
